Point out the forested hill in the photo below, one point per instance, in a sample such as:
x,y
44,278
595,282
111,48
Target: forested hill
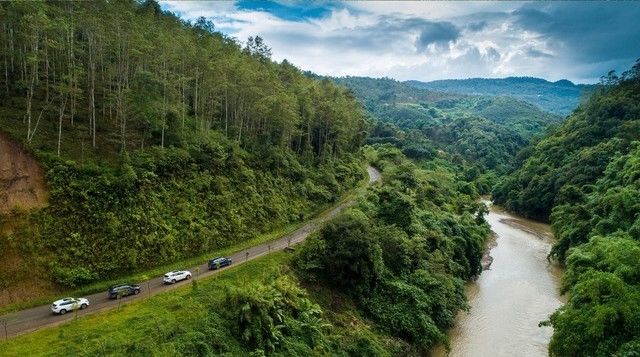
x,y
124,75
159,139
576,154
586,176
488,131
559,97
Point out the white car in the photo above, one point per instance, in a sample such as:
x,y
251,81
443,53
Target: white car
x,y
174,276
65,305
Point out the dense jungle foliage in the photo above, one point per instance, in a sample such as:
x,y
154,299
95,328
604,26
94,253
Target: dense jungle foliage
x,y
160,139
559,97
404,252
585,176
385,278
566,164
162,205
486,131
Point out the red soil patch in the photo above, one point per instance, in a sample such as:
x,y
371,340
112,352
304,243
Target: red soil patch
x,y
22,181
23,187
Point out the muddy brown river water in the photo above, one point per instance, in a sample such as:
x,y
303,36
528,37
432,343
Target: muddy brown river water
x,y
508,300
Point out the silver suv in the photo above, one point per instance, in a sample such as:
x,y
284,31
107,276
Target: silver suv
x,y
174,276
65,305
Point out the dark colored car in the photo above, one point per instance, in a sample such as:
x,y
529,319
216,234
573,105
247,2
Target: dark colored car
x,y
123,290
219,262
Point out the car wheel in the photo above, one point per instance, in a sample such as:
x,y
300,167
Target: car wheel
x,y
188,277
136,292
173,281
63,311
83,306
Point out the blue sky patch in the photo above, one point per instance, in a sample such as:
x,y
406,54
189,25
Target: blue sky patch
x,y
288,10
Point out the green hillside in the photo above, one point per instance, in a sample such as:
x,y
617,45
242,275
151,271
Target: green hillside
x,y
576,154
160,140
585,177
142,142
560,97
487,131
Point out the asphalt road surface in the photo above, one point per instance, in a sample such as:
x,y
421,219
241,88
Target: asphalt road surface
x,y
29,320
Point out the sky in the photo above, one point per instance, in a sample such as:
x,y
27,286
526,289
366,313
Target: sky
x,y
579,41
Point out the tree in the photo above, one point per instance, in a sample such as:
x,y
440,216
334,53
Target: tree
x,y
258,48
345,253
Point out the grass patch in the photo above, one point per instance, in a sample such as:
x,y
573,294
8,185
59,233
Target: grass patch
x,y
167,324
164,318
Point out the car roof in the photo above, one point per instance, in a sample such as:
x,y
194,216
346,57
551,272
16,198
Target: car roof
x,y
64,300
119,286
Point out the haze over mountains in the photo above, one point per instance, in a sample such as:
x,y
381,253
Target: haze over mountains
x,y
559,97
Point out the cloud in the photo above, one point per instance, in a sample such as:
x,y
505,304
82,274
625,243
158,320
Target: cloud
x,y
477,26
426,41
533,53
437,33
586,32
534,19
492,54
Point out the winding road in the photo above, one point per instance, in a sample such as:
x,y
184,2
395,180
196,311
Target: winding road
x,y
32,319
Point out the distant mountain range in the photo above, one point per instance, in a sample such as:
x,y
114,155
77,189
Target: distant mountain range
x,y
409,107
559,97
484,129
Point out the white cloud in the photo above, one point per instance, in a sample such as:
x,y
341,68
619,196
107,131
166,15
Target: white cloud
x,y
436,10
194,9
405,40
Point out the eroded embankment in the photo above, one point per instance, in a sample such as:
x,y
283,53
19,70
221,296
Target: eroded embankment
x,y
22,181
22,187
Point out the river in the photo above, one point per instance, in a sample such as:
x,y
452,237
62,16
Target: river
x,y
508,300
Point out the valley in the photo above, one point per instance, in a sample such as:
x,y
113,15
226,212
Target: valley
x,y
397,199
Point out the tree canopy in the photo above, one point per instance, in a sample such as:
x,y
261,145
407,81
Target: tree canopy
x,y
404,252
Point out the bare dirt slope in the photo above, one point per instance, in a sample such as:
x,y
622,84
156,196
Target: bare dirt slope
x,y
22,182
22,186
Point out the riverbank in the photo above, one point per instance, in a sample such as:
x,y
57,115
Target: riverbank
x,y
487,259
517,290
